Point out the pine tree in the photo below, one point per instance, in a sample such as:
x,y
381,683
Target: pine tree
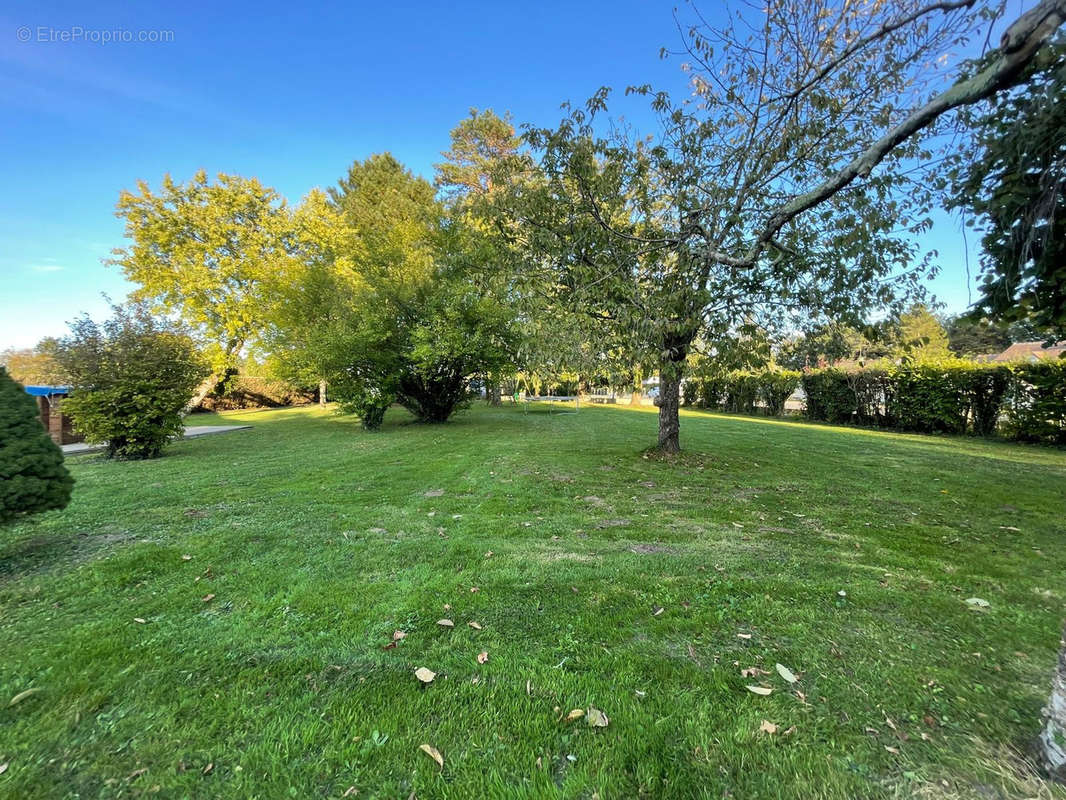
x,y
32,475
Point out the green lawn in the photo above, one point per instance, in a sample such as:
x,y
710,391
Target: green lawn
x,y
846,555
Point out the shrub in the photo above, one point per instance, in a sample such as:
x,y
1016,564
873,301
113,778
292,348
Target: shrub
x,y
1036,403
774,387
988,388
830,396
130,379
931,398
32,475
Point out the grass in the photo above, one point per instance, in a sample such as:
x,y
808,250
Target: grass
x,y
315,541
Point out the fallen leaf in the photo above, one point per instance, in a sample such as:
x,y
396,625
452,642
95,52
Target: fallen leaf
x,y
577,713
752,672
3,768
389,646
657,611
874,731
350,792
529,688
445,623
23,695
540,761
397,635
761,690
433,493
802,697
842,593
743,635
208,768
186,557
433,753
596,718
789,731
207,598
474,589
447,607
786,673
977,602
489,554
140,620
137,773
926,737
482,657
475,625
640,693
767,727
893,750
425,675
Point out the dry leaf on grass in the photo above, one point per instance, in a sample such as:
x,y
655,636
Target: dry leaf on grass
x,y
475,625
657,611
23,695
761,690
140,620
397,635
482,657
207,598
433,753
474,589
753,672
425,675
767,727
977,603
743,635
3,768
596,718
786,673
351,791
186,557
576,714
208,768
445,623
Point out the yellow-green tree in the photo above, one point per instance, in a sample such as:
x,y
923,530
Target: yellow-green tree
x,y
202,250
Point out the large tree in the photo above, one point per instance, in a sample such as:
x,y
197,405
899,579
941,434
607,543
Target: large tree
x,y
1012,179
783,187
201,250
481,146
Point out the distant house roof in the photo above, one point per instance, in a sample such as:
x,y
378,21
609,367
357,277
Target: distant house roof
x,y
1030,351
47,391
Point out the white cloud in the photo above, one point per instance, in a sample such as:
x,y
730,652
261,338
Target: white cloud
x,y
46,268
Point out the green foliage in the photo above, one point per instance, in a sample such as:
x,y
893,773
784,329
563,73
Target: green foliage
x,y
1036,403
928,397
32,475
202,250
976,337
739,391
1013,179
130,379
920,336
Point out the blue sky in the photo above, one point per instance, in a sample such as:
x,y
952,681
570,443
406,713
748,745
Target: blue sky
x,y
285,92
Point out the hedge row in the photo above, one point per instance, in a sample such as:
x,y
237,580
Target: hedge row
x,y
741,392
1025,401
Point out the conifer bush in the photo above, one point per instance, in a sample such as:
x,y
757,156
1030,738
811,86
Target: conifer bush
x,y
32,475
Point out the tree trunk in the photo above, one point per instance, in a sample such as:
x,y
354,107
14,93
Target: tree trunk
x,y
202,391
322,392
635,398
1053,736
669,402
492,392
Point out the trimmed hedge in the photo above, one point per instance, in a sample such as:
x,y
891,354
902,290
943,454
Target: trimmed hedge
x,y
951,397
742,392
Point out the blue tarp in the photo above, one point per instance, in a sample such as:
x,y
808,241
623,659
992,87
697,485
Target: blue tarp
x,y
47,391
